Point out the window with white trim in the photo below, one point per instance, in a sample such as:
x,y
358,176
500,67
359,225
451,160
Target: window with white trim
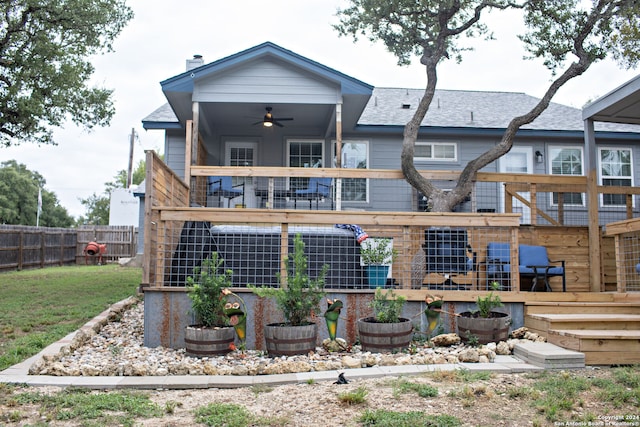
x,y
616,168
438,151
567,161
355,155
304,154
241,153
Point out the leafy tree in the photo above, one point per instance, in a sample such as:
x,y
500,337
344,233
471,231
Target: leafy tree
x,y
98,206
19,198
569,35
44,72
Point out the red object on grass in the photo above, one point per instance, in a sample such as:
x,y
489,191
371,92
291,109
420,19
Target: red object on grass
x,y
93,249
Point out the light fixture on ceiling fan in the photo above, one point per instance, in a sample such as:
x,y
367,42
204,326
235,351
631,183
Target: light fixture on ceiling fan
x,y
268,120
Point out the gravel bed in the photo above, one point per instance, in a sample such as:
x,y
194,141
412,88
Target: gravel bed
x,y
114,347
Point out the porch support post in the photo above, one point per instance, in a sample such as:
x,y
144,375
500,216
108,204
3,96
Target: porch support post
x,y
195,136
338,187
187,150
592,206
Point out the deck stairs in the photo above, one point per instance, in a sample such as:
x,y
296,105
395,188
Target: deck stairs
x,y
607,332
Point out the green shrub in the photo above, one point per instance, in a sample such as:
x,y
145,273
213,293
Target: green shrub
x,y
205,290
298,295
387,307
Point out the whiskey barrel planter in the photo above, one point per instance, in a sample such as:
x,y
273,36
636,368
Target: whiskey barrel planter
x,y
487,329
384,337
286,340
214,341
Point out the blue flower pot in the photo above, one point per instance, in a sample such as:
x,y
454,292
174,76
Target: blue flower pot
x,y
377,275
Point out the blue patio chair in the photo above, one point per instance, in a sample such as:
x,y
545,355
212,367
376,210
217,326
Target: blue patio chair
x,y
318,188
222,186
638,268
534,262
498,264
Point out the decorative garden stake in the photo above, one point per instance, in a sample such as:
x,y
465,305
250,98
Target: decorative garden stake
x,y
433,310
236,311
331,316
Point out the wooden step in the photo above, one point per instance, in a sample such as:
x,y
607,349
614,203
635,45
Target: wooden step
x,y
600,347
541,323
581,307
607,332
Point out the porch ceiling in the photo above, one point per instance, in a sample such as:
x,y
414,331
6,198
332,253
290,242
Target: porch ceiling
x,y
241,115
621,105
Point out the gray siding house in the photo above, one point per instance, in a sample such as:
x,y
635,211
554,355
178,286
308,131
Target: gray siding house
x,y
229,100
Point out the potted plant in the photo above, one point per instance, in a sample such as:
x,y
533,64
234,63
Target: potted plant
x,y
377,254
385,331
212,334
298,296
485,324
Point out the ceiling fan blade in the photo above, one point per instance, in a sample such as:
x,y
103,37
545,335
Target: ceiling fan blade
x,y
277,123
282,119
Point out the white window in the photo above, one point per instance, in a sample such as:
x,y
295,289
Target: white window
x,y
616,168
239,153
567,161
355,155
304,154
518,160
440,151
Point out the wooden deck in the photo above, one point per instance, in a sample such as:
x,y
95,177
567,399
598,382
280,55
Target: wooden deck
x,y
601,316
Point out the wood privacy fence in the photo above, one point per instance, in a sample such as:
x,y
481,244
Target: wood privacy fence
x,y
24,247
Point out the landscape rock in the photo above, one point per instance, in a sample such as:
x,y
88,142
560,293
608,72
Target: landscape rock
x,y
334,346
445,340
351,362
503,348
469,355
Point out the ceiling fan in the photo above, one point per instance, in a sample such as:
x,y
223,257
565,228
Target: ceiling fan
x,y
268,120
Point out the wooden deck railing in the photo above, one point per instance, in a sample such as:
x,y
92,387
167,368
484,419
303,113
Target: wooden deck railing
x,y
513,184
627,253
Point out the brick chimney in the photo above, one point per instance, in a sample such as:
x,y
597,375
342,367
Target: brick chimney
x,y
195,62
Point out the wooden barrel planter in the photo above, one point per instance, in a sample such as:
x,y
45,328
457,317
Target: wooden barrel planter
x,y
486,329
202,342
287,340
384,337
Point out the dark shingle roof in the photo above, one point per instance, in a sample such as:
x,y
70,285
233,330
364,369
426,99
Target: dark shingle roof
x,y
473,109
162,114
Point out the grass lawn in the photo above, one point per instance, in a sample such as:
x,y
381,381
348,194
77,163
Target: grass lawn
x,y
38,307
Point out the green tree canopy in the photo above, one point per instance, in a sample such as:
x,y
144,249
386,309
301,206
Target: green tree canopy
x,y
19,198
569,35
44,71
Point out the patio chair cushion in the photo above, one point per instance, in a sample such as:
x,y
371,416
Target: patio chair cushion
x,y
498,258
536,256
533,255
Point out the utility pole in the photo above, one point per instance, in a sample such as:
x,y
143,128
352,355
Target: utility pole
x,y
130,171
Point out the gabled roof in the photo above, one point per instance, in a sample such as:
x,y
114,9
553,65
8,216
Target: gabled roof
x,y
208,85
184,82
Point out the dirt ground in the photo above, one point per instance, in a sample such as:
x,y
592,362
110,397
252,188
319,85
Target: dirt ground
x,y
500,400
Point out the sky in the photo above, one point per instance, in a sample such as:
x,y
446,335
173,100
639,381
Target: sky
x,y
165,33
